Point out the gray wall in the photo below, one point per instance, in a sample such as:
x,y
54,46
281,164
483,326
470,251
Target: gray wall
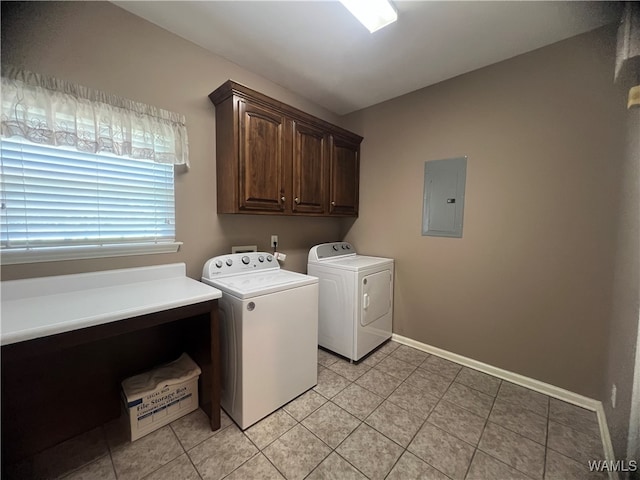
x,y
528,287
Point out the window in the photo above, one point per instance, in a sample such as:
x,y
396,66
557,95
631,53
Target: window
x,y
53,197
84,174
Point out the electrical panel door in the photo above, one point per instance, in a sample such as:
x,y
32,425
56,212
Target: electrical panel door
x,y
443,203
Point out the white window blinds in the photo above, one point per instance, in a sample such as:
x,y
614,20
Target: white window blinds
x,y
54,197
83,173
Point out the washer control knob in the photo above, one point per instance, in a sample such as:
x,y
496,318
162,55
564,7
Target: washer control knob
x,y
335,247
344,247
269,258
348,247
219,263
261,259
229,262
245,260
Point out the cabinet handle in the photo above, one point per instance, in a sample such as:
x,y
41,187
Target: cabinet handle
x,y
283,199
333,204
297,200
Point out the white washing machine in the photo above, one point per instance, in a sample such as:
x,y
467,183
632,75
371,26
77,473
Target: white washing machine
x,y
269,333
356,299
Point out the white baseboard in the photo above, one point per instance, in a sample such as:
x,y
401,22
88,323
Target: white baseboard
x,y
530,383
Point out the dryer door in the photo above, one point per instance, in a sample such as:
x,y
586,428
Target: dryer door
x,y
376,296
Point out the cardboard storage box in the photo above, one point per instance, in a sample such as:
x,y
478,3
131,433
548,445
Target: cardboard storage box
x,y
155,398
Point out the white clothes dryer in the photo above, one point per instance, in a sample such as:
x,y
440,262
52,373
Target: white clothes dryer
x,y
268,333
355,299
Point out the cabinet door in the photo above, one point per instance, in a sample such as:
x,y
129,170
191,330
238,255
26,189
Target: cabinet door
x,y
261,174
309,169
344,177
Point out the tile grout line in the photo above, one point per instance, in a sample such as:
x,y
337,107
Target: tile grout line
x,y
546,439
356,468
283,433
325,443
462,406
406,449
335,373
386,436
217,432
260,452
174,458
475,452
486,421
515,403
426,419
184,451
335,450
243,463
502,461
451,434
362,422
311,412
520,434
113,464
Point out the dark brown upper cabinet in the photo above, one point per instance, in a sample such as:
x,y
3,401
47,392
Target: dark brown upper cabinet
x,y
309,169
275,159
344,171
261,159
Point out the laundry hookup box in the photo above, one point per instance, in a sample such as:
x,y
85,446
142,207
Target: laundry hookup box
x,y
155,398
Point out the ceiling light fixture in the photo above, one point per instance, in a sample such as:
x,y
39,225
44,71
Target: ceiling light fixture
x,y
373,14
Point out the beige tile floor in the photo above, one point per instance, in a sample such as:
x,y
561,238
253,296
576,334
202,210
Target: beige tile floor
x,y
398,414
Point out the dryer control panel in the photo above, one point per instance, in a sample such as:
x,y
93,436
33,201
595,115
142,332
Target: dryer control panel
x,y
237,263
331,250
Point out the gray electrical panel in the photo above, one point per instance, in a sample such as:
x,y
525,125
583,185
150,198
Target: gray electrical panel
x,y
443,201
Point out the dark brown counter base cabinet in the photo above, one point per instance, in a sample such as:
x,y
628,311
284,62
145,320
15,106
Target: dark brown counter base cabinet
x,y
56,387
275,159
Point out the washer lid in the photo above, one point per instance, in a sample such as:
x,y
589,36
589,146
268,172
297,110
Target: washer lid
x,y
355,262
249,285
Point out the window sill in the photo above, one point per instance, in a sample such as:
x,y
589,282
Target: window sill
x,y
54,254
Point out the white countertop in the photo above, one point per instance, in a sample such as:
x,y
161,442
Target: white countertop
x,y
38,307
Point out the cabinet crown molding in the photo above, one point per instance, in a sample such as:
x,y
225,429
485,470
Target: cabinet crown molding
x,y
231,87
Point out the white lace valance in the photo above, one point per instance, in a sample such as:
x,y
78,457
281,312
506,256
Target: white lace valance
x,y
50,111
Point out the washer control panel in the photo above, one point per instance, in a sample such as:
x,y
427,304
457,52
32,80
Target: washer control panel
x,y
334,249
236,263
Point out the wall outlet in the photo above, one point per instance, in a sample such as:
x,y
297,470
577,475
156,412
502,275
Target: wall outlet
x,y
274,241
614,395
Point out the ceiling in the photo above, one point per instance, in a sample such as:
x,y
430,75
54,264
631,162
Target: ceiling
x,y
320,51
